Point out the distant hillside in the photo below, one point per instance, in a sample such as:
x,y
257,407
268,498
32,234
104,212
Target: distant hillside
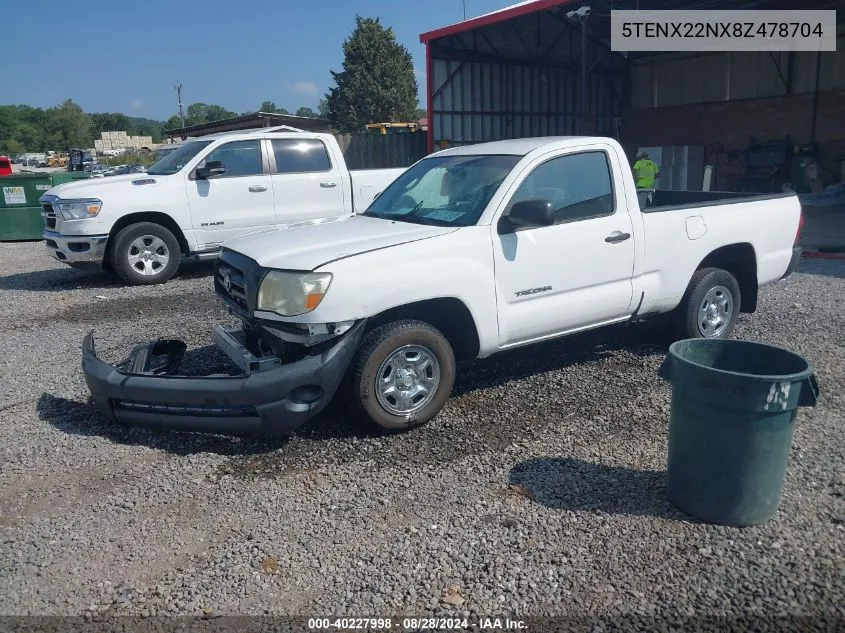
x,y
27,129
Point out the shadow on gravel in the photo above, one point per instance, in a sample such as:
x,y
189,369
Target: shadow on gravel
x,y
336,437
641,340
575,484
61,279
77,418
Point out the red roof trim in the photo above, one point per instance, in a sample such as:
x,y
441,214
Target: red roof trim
x,y
484,20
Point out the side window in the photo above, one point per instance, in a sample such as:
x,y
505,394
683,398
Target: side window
x,y
240,158
579,186
295,156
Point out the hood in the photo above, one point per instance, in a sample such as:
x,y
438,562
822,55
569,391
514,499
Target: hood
x,y
100,187
311,246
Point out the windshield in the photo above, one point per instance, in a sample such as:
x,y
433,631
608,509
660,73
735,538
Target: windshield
x,y
443,190
176,160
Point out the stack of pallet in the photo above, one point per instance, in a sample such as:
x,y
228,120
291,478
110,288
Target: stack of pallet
x,y
121,140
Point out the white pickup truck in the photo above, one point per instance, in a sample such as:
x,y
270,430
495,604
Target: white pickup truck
x,y
208,191
471,251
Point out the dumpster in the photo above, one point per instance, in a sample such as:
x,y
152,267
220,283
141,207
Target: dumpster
x,y
62,177
733,413
20,211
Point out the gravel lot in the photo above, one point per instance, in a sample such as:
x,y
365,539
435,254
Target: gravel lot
x,y
538,491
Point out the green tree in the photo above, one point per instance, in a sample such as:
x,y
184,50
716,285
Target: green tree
x,y
172,123
377,82
419,113
218,113
269,106
323,109
12,147
306,111
203,113
68,126
109,122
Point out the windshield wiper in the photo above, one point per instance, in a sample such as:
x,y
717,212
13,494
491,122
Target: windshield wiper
x,y
421,219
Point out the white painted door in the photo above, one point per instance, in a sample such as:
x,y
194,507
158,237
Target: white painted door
x,y
236,202
307,185
576,272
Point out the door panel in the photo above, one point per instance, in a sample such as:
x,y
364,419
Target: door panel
x,y
306,184
236,202
574,273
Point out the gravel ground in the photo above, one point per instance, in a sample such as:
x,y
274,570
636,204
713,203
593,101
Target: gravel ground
x,y
538,491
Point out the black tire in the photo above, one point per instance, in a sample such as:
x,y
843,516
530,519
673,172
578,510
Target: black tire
x,y
689,323
125,245
379,345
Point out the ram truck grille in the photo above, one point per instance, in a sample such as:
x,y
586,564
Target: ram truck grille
x,y
49,216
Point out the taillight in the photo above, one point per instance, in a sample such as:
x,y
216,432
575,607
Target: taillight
x,y
800,228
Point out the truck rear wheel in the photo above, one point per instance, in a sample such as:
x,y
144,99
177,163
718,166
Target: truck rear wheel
x,y
710,306
402,376
145,253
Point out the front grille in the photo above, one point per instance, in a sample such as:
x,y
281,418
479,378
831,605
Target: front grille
x,y
49,215
236,281
230,283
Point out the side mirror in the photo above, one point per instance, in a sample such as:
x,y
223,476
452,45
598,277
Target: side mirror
x,y
532,213
212,168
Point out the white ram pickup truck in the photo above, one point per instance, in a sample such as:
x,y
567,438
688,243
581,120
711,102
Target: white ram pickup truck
x,y
208,191
471,251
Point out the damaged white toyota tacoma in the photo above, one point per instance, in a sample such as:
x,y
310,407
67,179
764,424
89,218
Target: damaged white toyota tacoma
x,y
469,252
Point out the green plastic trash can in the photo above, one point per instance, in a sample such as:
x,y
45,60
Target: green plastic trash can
x,y
733,414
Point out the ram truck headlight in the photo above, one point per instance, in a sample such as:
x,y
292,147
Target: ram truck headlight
x,y
79,209
290,293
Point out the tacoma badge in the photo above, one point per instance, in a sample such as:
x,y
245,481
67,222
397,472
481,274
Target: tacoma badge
x,y
532,291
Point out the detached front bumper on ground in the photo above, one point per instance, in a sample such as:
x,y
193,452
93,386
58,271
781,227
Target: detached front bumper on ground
x,y
268,397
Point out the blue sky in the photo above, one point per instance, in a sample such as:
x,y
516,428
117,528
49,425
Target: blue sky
x,y
121,56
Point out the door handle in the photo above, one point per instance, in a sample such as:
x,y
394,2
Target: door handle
x,y
328,184
257,188
616,237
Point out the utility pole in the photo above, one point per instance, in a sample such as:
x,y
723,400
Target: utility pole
x,y
465,9
178,87
583,16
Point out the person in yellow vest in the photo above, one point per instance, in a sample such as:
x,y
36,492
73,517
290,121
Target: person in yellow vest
x,y
646,171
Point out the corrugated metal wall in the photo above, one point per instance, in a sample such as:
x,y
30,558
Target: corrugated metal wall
x,y
522,78
684,80
476,102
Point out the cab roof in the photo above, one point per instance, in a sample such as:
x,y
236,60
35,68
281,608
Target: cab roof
x,y
517,146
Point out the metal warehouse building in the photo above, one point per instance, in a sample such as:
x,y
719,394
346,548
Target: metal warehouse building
x,y
532,70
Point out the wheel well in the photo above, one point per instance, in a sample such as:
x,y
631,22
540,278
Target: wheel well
x,y
449,315
741,261
149,216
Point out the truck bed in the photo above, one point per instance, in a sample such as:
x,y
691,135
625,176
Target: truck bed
x,y
666,200
367,183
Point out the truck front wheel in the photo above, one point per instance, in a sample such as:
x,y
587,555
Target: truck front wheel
x,y
145,253
402,376
710,305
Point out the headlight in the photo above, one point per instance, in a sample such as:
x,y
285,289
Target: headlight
x,y
79,209
290,294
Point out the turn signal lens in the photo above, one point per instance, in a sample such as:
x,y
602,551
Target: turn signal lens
x,y
313,300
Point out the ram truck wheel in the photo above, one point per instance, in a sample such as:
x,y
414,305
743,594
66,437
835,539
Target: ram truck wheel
x,y
402,376
144,254
710,306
